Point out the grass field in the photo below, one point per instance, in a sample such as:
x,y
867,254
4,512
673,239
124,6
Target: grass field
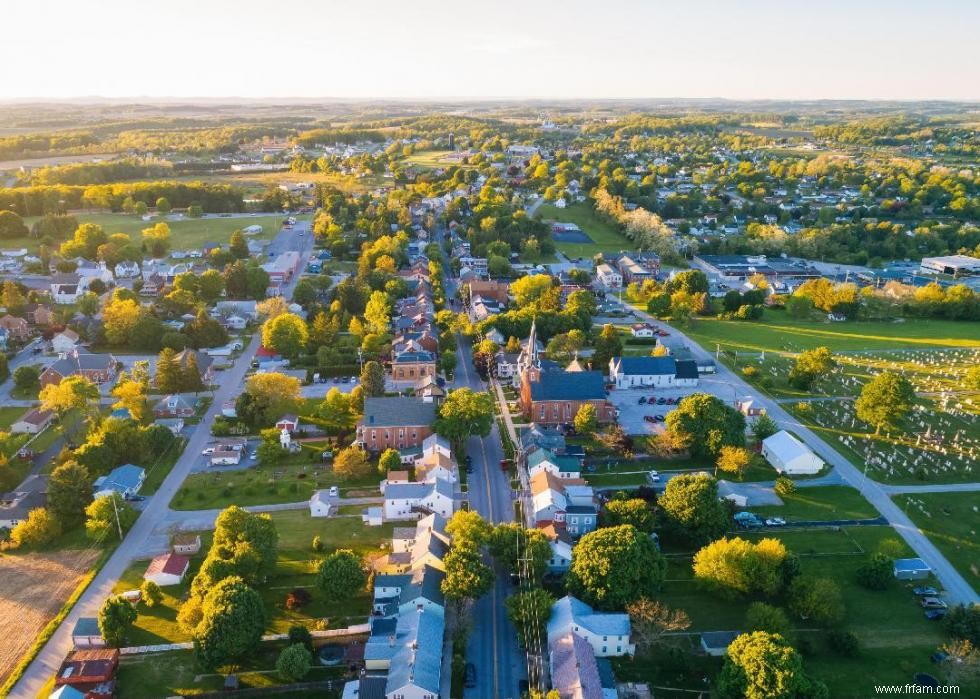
x,y
821,503
158,470
951,521
185,234
434,159
895,637
605,236
34,588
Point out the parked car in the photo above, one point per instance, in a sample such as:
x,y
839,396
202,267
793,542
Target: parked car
x,y
925,591
207,451
648,418
775,522
334,491
653,477
935,614
643,400
659,418
933,603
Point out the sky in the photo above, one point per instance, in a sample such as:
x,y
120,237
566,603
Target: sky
x,y
737,49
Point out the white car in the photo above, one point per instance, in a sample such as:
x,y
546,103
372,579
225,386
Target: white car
x,y
334,491
775,522
208,451
653,477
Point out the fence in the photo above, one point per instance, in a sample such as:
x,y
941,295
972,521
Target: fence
x,y
355,630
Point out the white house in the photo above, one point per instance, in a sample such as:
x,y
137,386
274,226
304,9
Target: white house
x,y
320,504
413,500
658,372
789,455
642,330
607,633
561,556
167,569
32,422
608,276
127,269
65,341
436,444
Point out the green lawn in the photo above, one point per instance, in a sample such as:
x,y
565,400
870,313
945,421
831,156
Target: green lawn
x,y
434,159
951,521
821,503
187,233
605,236
161,466
9,415
895,637
778,332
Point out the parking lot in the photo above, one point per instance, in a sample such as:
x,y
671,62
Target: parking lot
x,y
632,412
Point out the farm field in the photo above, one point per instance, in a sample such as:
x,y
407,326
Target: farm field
x,y
34,588
605,237
951,521
895,638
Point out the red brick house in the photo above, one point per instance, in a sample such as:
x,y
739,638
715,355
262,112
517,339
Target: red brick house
x,y
554,396
97,368
17,328
395,423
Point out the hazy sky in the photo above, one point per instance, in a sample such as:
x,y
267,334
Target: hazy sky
x,y
742,49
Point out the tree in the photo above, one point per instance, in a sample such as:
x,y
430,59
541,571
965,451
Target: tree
x,y
301,635
467,576
962,662
231,625
294,662
614,566
163,205
351,464
131,396
336,411
529,290
12,298
210,285
238,247
340,575
607,345
390,460
26,377
529,613
115,619
373,378
785,486
12,225
465,412
764,617
156,239
734,460
71,393
151,593
521,551
816,599
651,620
634,511
884,400
447,362
286,334
271,395
119,317
467,527
586,421
707,424
733,567
876,572
963,621
377,312
691,507
764,427
810,365
69,493
39,529
761,665
107,514
799,307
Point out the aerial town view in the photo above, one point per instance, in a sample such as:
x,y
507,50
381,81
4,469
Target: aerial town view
x,y
490,350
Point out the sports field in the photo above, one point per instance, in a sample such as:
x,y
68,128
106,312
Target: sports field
x,y
605,236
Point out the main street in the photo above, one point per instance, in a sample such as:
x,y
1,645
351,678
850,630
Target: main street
x,y
156,508
957,588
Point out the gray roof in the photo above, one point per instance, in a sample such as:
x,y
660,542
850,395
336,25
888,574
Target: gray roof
x,y
561,385
371,687
647,366
569,611
418,657
204,361
73,363
17,505
574,672
86,626
718,639
397,412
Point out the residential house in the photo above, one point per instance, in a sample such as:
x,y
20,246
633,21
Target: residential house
x,y
39,314
90,671
657,372
431,390
394,423
125,480
542,436
17,328
498,291
205,364
127,269
186,543
607,633
320,503
608,277
97,368
413,500
435,465
789,455
182,405
506,364
167,569
643,330
410,592
290,423
573,669
65,341
16,505
563,466
33,421
174,424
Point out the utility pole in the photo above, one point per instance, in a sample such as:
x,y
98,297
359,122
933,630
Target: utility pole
x,y
116,511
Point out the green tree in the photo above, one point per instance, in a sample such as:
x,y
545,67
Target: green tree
x,y
515,547
116,617
151,593
373,379
650,620
809,366
351,464
692,508
614,566
876,572
733,567
465,412
390,460
340,575
238,247
27,377
816,599
607,345
734,460
447,362
761,665
885,400
467,576
467,527
632,511
764,617
270,396
529,613
286,334
293,663
12,225
69,493
231,625
785,486
301,635
39,529
377,312
210,285
764,427
707,424
163,205
107,514
586,421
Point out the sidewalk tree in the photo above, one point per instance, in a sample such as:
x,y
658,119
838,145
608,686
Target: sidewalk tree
x,y
116,617
69,493
691,507
373,378
231,625
510,543
529,612
468,527
465,413
467,576
614,566
707,423
286,334
885,400
340,575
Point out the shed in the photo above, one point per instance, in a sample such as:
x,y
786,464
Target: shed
x,y
372,516
715,643
911,569
186,543
320,504
789,455
86,633
167,569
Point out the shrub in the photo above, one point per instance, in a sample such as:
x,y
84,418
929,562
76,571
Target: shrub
x,y
294,662
151,593
844,643
876,573
297,598
784,486
750,372
301,635
317,545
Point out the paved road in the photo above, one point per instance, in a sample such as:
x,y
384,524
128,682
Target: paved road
x,y
156,508
958,589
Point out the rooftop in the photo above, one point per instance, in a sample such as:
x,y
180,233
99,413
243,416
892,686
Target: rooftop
x,y
397,412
